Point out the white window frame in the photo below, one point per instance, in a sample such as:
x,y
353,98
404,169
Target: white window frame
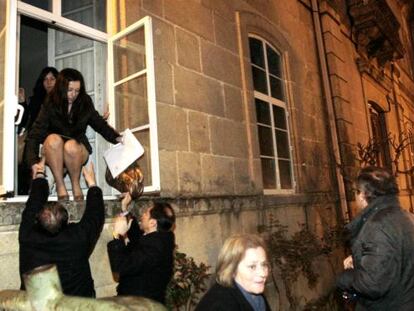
x,y
58,20
272,101
10,98
149,71
11,85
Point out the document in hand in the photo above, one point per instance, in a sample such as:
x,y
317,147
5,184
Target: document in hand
x,y
120,156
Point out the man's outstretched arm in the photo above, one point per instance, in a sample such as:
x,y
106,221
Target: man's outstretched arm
x,y
94,215
38,194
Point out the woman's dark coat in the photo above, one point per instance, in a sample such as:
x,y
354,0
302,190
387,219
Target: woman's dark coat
x,y
52,121
31,111
220,298
383,257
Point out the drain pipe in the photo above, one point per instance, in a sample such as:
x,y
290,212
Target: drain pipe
x,y
331,111
394,81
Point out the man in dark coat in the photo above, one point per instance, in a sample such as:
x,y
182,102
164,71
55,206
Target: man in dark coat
x,y
46,237
142,257
380,272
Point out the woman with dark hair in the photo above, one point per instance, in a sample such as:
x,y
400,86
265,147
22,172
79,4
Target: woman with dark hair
x,y
380,273
241,273
44,84
61,128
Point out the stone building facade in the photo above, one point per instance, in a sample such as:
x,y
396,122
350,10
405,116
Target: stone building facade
x,y
260,107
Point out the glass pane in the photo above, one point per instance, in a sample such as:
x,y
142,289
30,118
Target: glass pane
x,y
276,86
41,4
262,112
268,172
66,42
3,10
256,52
131,104
279,117
87,12
129,54
285,176
259,80
265,141
282,144
145,161
80,62
273,60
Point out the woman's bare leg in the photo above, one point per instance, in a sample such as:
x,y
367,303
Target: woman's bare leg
x,y
53,149
74,156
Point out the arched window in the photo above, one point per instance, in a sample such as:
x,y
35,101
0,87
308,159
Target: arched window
x,y
272,115
379,134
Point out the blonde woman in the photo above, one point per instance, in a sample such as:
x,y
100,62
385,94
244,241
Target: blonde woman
x,y
241,273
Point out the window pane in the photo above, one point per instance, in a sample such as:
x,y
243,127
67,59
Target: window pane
x,y
262,112
282,144
80,62
259,80
379,135
279,117
145,161
273,60
129,54
265,141
256,52
41,4
131,103
276,86
268,172
285,176
271,115
88,12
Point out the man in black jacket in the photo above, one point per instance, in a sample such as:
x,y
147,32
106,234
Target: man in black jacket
x,y
380,272
46,237
142,257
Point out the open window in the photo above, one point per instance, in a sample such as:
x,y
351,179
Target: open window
x,y
72,33
132,90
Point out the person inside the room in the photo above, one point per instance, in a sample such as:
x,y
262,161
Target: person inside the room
x,y
43,86
61,128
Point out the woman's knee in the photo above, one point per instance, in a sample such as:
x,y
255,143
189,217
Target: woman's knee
x,y
53,141
74,149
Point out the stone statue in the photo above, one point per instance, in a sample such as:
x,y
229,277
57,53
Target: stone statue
x,y
44,293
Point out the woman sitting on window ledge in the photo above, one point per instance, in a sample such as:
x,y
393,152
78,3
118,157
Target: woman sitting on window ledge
x,y
61,128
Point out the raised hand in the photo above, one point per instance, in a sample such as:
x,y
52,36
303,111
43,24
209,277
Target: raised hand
x,y
39,168
126,200
121,226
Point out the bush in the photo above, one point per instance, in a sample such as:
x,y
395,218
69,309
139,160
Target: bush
x,y
189,280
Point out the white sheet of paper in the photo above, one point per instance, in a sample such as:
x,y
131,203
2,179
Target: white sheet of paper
x,y
120,156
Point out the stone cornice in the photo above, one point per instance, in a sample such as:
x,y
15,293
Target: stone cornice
x,y
376,30
10,213
368,68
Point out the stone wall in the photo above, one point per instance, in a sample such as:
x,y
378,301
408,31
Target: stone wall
x,y
359,79
202,226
